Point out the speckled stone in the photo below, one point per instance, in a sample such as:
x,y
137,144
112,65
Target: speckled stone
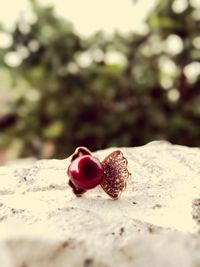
x,y
154,223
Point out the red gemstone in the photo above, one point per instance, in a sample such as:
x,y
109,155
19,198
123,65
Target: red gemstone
x,y
85,172
80,151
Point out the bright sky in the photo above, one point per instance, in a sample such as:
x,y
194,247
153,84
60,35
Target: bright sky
x,y
88,16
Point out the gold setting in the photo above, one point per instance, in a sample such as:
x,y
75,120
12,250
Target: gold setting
x,y
115,174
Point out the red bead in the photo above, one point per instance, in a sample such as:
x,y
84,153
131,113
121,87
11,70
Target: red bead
x,y
85,172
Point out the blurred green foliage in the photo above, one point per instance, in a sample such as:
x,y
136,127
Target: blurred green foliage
x,y
66,90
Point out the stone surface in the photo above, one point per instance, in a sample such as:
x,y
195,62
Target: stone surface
x,y
154,223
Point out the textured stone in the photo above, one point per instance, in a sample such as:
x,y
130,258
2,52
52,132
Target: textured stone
x,y
154,223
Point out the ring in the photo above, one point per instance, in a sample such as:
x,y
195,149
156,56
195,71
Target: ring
x,y
85,172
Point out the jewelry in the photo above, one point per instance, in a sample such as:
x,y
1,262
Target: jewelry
x,y
86,172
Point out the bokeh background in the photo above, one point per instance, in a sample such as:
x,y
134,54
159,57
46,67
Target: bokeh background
x,y
131,81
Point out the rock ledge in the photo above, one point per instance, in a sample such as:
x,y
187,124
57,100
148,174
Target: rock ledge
x,y
154,223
